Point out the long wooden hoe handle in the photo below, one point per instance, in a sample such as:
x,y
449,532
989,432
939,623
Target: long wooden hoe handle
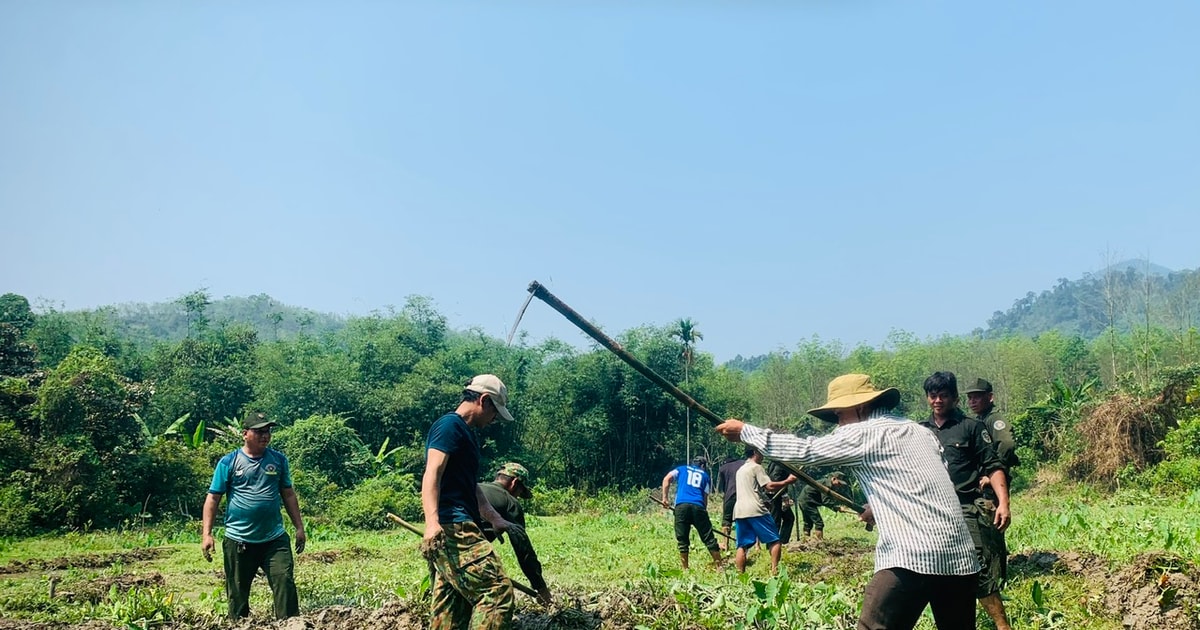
x,y
413,528
546,296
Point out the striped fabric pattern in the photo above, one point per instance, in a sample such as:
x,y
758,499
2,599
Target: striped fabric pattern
x,y
899,465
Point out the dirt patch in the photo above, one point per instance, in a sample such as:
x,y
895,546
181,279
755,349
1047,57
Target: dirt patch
x,y
19,624
85,561
414,615
329,557
1092,567
1156,591
832,559
1150,592
97,590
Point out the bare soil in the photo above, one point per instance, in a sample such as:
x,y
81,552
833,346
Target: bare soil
x,y
85,561
1151,592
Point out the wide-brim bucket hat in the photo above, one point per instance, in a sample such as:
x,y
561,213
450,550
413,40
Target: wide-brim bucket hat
x,y
852,390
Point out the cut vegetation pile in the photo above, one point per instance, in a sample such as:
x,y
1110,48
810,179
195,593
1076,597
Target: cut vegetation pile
x,y
1126,430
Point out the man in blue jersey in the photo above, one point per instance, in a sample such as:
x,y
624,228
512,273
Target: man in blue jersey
x,y
257,480
691,507
469,577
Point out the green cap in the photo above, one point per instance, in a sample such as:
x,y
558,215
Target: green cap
x,y
979,385
520,473
257,420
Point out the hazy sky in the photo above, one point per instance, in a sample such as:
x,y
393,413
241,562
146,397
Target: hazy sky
x,y
773,170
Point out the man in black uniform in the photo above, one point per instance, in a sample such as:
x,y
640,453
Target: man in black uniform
x,y
811,500
781,501
511,482
727,482
982,402
969,455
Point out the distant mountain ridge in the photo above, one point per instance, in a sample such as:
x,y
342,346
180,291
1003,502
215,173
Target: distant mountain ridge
x,y
168,321
1140,265
1123,295
1119,294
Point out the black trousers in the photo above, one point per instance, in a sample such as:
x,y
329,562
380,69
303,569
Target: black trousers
x,y
781,511
242,562
896,597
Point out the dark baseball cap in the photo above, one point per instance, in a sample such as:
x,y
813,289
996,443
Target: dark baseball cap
x,y
979,385
257,420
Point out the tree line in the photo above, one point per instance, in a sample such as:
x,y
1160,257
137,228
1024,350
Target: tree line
x,y
97,426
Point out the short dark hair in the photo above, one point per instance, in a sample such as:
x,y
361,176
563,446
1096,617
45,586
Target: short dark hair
x,y
700,461
942,382
748,452
470,395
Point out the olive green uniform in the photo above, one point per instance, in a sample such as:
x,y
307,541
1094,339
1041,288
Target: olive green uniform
x,y
512,511
1002,438
969,454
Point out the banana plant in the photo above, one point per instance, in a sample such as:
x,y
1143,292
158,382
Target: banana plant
x,y
192,440
227,431
195,439
382,460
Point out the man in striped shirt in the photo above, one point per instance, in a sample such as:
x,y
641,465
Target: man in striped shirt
x,y
924,554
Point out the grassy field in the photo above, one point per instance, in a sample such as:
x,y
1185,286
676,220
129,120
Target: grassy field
x,y
1079,560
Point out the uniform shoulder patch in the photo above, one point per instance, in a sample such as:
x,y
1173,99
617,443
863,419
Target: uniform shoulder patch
x,y
987,437
1000,425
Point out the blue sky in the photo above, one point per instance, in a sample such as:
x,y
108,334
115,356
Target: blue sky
x,y
772,170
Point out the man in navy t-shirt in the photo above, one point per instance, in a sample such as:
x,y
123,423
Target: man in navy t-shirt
x,y
469,575
691,507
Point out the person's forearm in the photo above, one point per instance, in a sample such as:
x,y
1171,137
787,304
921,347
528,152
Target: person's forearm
x,y
209,515
292,505
528,560
1000,487
430,491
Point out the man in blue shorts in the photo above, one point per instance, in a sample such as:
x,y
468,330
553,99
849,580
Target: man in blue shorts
x,y
752,512
691,508
257,480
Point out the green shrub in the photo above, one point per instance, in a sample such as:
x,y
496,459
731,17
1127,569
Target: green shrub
x,y
366,505
1181,474
315,490
16,518
174,479
325,444
71,486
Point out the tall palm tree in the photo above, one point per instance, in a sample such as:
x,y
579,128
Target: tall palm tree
x,y
685,330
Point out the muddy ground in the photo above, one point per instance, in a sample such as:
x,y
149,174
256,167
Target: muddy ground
x,y
85,561
1154,591
1151,592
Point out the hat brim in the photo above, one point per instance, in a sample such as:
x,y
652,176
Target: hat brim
x,y
888,398
525,492
260,425
976,390
503,411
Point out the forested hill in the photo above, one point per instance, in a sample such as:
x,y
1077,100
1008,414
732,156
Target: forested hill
x,y
1127,294
1130,295
170,321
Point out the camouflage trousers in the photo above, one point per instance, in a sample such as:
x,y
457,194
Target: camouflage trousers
x,y
469,579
